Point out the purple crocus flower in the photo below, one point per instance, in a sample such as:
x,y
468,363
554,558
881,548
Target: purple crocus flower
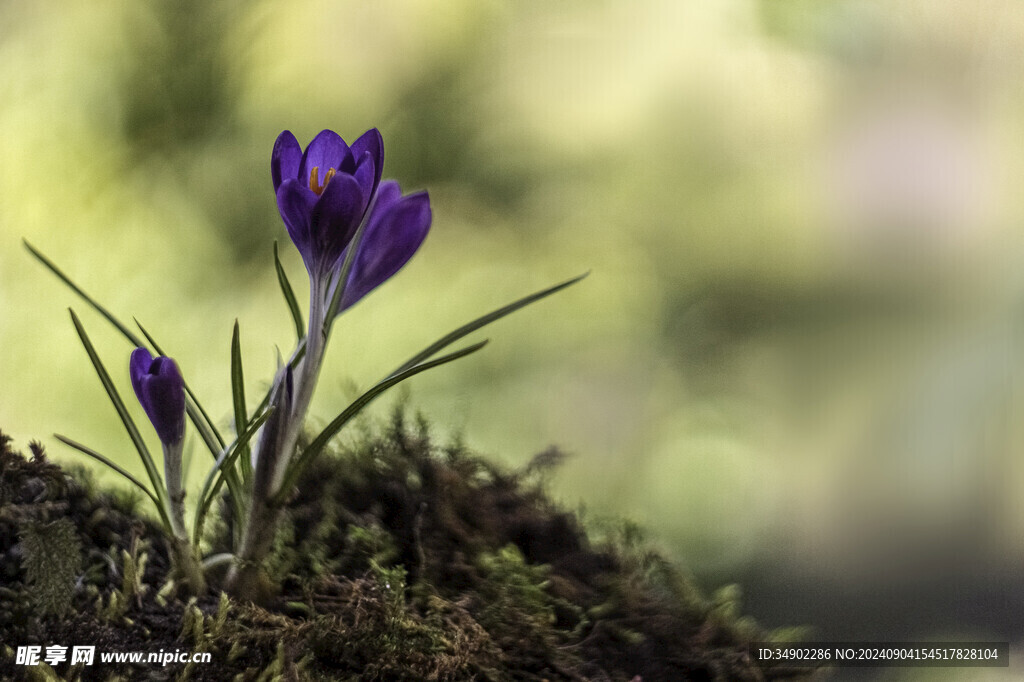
x,y
161,391
323,193
395,229
326,192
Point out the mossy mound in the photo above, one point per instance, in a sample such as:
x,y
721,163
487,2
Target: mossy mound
x,y
398,560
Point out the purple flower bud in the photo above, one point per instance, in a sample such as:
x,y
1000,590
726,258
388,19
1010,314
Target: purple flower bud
x,y
323,192
161,391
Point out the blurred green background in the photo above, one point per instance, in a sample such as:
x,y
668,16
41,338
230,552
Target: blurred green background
x,y
796,362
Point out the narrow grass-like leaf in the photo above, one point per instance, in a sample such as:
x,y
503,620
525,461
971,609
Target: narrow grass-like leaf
x,y
122,411
208,431
320,442
289,296
84,449
85,297
216,560
342,280
483,321
297,355
238,397
224,464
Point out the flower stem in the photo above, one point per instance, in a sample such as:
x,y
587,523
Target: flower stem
x,y
305,384
273,453
186,564
175,491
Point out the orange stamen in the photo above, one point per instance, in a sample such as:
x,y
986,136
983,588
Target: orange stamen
x,y
314,179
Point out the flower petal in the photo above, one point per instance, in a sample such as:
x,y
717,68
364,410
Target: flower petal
x,y
166,396
327,150
364,174
395,232
335,218
295,202
138,367
388,193
285,159
371,142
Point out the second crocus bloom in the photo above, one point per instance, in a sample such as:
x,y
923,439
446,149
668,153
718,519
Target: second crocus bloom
x,y
395,230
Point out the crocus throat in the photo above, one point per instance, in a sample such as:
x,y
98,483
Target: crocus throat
x,y
314,180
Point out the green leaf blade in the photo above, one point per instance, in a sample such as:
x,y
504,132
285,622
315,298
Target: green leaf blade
x,y
52,267
342,278
300,352
224,463
483,321
195,409
122,411
321,441
289,296
238,397
116,467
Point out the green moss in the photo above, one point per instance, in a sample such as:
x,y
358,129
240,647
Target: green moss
x,y
397,560
51,554
440,555
511,584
